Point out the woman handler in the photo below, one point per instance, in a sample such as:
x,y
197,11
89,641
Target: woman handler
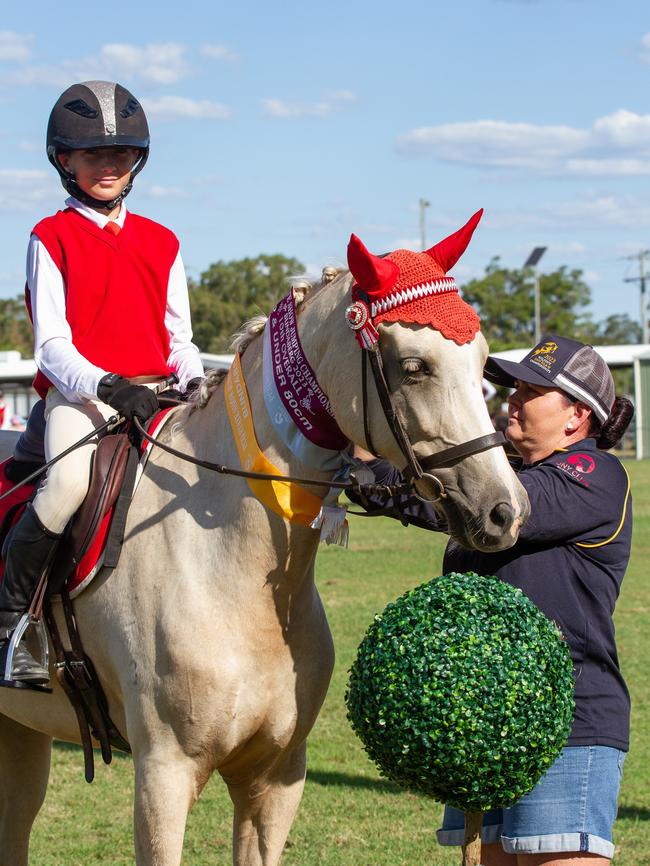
x,y
570,559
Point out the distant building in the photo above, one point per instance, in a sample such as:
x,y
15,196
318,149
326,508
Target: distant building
x,y
18,396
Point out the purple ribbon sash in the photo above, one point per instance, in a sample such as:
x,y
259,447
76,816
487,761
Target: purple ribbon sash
x,y
303,398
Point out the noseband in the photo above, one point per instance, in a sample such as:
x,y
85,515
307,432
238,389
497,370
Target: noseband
x,y
416,467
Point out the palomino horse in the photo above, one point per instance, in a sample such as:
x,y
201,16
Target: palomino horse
x,y
210,638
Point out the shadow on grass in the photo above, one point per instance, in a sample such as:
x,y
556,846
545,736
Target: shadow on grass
x,y
633,813
345,780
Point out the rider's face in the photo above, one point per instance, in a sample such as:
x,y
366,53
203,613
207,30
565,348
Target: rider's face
x,y
101,172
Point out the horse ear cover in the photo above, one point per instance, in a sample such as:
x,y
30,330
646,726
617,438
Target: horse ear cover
x,y
372,273
406,286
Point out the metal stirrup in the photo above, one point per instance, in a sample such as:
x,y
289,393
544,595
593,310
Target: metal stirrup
x,y
26,621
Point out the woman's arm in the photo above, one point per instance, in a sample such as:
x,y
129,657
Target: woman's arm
x,y
407,508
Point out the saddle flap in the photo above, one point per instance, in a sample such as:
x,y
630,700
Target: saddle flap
x,y
109,467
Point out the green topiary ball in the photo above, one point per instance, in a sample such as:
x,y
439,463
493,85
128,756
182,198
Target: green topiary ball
x,y
463,689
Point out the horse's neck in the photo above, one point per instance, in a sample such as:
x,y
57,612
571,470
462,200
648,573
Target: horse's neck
x,y
207,433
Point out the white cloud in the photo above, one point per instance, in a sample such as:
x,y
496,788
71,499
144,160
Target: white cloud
x,y
30,146
171,107
609,211
406,243
15,46
280,108
21,189
219,52
584,213
159,63
616,145
156,63
342,96
157,191
645,48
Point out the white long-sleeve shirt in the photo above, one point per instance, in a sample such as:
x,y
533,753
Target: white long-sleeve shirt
x,y
54,351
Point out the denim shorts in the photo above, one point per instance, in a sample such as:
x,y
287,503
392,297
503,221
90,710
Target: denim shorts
x,y
572,808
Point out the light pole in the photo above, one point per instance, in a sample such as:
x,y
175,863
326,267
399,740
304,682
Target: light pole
x,y
424,204
531,262
641,280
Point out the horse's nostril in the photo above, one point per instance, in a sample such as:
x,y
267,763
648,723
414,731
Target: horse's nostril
x,y
502,514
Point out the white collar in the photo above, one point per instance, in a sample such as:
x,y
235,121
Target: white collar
x,y
95,217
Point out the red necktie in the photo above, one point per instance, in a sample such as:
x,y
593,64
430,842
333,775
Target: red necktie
x,y
112,228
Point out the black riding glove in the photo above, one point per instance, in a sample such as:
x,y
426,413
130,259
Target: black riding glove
x,y
131,401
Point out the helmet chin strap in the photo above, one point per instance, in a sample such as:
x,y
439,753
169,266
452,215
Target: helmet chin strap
x,y
74,189
71,185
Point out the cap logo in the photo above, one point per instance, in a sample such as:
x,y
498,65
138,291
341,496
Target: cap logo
x,y
548,347
542,356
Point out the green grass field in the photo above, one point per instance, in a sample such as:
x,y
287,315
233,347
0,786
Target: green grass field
x,y
349,815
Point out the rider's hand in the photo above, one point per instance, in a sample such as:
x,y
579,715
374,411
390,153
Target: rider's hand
x,y
131,401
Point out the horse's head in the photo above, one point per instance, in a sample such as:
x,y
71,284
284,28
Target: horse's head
x,y
432,355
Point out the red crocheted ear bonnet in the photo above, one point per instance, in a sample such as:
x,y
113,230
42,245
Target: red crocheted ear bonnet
x,y
404,286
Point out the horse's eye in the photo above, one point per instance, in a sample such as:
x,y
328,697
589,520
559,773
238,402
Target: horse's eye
x,y
414,367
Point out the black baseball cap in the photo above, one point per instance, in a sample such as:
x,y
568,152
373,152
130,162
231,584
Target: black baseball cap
x,y
558,362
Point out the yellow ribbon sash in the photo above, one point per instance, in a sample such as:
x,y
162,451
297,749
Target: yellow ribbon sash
x,y
288,500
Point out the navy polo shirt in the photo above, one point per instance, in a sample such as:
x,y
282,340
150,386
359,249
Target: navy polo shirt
x,y
570,559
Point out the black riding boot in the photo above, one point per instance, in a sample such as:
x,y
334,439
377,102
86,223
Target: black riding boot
x,y
31,551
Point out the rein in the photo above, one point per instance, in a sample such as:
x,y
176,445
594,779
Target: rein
x,y
417,467
221,469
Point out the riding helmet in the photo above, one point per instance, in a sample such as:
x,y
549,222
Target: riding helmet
x,y
96,114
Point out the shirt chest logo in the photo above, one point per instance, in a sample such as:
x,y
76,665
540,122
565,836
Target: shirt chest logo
x,y
577,465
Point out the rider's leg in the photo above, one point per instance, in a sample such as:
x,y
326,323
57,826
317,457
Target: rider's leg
x,y
30,447
35,537
31,551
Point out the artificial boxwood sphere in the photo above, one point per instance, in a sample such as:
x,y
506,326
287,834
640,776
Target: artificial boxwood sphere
x,y
463,689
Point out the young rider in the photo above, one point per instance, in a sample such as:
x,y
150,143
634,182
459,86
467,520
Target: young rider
x,y
109,303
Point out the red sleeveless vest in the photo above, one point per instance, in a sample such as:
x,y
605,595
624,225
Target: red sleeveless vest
x,y
116,291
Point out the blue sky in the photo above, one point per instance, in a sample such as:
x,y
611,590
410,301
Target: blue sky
x,y
284,127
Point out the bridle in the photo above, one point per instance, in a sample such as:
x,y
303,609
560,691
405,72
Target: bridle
x,y
417,468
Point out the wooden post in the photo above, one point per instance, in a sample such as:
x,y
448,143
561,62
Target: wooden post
x,y
472,844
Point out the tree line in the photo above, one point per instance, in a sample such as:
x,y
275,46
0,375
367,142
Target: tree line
x,y
229,293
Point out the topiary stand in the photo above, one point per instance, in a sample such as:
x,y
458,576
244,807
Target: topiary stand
x,y
472,843
462,689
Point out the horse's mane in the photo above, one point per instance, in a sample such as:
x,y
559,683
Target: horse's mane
x,y
304,290
242,338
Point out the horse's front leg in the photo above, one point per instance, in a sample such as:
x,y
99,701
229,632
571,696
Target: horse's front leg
x,y
265,807
166,786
